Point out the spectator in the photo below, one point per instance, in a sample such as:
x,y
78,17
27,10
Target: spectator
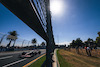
x,y
88,51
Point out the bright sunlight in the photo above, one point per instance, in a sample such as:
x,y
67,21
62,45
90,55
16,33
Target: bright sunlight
x,y
56,7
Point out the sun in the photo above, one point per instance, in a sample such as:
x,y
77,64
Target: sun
x,y
56,7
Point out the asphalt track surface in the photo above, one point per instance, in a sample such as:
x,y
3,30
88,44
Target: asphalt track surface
x,y
11,59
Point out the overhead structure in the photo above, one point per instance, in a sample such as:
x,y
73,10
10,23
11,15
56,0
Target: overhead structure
x,y
31,12
36,14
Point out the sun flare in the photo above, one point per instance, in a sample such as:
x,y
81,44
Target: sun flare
x,y
56,7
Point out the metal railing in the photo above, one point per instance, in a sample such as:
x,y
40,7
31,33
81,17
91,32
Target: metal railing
x,y
18,44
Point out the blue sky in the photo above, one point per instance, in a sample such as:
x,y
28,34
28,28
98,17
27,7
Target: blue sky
x,y
9,22
80,18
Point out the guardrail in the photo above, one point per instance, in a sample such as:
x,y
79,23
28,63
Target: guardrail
x,y
4,40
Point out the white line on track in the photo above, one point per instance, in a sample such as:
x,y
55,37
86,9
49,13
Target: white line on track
x,y
14,62
5,57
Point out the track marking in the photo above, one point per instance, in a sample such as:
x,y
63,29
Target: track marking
x,y
33,61
5,57
14,62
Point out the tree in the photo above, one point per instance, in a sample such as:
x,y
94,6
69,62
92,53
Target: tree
x,y
43,44
90,42
78,43
73,44
14,34
86,43
34,41
98,39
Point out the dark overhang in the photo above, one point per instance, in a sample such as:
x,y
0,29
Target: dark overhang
x,y
24,11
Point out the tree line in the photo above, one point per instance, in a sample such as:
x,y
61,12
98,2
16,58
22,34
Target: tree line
x,y
89,42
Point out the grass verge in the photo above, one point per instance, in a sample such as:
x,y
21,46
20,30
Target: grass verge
x,y
78,60
39,62
62,61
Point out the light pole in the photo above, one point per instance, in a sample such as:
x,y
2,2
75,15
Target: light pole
x,y
28,43
2,39
23,43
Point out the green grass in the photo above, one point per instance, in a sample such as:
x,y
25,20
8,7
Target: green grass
x,y
62,61
39,62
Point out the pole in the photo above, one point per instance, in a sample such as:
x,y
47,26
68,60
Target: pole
x,y
2,39
23,43
50,46
28,43
14,43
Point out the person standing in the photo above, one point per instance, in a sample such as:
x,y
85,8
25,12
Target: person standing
x,y
88,51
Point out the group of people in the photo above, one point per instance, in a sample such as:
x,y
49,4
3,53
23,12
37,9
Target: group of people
x,y
88,50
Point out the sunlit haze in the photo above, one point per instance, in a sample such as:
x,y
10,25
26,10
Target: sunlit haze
x,y
56,7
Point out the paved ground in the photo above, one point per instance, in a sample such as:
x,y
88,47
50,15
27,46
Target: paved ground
x,y
11,59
